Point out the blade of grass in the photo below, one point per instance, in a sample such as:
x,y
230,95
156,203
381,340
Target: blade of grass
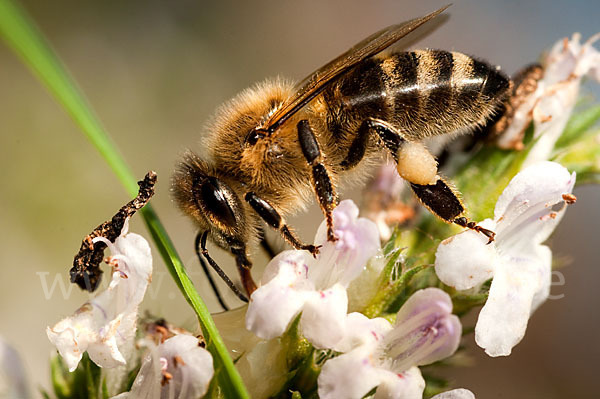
x,y
21,34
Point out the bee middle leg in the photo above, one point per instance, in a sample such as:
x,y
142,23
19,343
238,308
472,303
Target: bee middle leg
x,y
319,177
274,219
432,190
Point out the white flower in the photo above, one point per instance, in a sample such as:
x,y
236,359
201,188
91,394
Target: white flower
x,y
526,214
551,104
176,369
107,322
295,282
379,355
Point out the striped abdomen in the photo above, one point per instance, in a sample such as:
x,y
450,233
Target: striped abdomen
x,y
422,93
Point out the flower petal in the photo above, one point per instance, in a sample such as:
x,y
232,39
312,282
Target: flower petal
x,y
273,305
105,324
358,240
189,366
556,94
544,276
192,377
407,385
425,330
324,316
351,375
465,260
531,206
459,393
360,330
503,319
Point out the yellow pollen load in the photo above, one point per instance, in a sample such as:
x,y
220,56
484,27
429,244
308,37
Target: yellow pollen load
x,y
416,164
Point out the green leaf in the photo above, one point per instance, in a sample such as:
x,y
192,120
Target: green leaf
x,y
392,292
60,377
21,34
582,157
580,124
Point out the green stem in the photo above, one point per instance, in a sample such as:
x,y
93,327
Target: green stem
x,y
21,34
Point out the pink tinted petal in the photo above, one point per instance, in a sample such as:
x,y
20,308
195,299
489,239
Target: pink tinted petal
x,y
290,266
273,306
344,216
425,330
465,260
407,385
324,316
459,393
343,260
350,376
360,330
503,319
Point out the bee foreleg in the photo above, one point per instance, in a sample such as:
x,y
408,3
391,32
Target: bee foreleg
x,y
221,273
274,219
319,178
211,281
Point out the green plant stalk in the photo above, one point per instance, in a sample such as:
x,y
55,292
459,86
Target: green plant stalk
x,y
21,34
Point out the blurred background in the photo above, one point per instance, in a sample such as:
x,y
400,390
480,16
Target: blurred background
x,y
154,71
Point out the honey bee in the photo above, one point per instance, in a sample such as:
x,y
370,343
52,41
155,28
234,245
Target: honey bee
x,y
277,144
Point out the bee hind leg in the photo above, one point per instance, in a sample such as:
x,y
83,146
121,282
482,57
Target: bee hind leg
x,y
418,167
443,201
319,176
271,217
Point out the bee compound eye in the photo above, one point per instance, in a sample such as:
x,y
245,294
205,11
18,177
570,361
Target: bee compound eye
x,y
214,199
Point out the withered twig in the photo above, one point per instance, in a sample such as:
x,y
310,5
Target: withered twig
x,y
86,272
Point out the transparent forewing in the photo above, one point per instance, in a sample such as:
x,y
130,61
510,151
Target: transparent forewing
x,y
315,83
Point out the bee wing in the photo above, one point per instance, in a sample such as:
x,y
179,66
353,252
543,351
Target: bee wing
x,y
315,83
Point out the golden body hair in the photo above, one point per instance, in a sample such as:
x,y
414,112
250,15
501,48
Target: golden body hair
x,y
274,146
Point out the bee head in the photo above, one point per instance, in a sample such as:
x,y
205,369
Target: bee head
x,y
211,200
